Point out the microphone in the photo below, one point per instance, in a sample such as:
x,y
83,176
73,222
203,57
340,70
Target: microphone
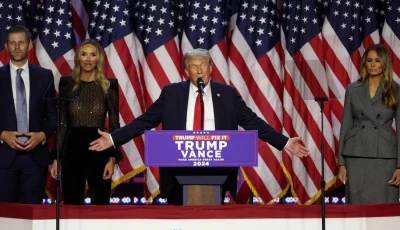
x,y
200,84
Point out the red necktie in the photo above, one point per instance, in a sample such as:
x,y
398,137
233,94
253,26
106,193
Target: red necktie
x,y
197,114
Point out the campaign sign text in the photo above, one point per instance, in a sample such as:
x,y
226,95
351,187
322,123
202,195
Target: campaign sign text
x,y
177,148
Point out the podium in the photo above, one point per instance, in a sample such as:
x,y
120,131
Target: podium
x,y
201,161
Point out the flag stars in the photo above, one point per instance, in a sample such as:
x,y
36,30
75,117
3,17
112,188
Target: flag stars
x,y
215,20
59,22
203,29
217,9
368,20
397,20
293,40
212,31
258,42
60,11
194,16
147,40
158,32
112,19
193,27
57,33
55,44
251,29
50,9
164,10
106,5
201,40
196,5
171,23
205,18
48,20
351,38
243,16
207,7
18,18
110,30
153,7
161,21
255,7
245,5
19,7
116,8
260,31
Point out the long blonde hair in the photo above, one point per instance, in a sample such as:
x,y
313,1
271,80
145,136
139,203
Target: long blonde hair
x,y
390,94
99,76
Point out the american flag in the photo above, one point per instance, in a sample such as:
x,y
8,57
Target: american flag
x,y
255,71
391,35
56,42
304,79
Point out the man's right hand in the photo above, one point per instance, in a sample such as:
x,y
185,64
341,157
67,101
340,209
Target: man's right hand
x,y
11,138
103,143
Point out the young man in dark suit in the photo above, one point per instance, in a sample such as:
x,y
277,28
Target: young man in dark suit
x,y
224,109
27,121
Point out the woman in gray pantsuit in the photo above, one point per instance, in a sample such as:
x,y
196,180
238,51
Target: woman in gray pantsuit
x,y
369,154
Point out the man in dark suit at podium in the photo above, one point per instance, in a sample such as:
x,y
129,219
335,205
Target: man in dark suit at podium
x,y
27,121
177,108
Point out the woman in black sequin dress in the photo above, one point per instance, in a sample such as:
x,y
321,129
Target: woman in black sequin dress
x,y
89,99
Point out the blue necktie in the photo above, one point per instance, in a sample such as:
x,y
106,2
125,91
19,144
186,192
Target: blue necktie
x,y
22,115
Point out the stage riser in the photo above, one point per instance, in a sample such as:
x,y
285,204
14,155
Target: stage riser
x,y
380,223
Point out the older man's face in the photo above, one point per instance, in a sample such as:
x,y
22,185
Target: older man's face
x,y
198,66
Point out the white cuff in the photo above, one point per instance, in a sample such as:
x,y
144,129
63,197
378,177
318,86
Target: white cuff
x,y
112,141
286,143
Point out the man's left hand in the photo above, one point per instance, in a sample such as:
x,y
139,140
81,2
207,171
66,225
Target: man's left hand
x,y
35,138
296,148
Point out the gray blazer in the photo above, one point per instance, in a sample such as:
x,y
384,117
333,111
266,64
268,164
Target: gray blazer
x,y
366,129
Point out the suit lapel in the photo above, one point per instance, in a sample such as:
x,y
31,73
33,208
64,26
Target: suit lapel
x,y
363,94
34,89
378,95
217,104
183,99
9,93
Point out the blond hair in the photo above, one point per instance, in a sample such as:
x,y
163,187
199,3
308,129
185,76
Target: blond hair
x,y
390,94
99,76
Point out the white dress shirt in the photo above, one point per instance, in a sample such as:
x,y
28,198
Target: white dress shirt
x,y
209,120
25,78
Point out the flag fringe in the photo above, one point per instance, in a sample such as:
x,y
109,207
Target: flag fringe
x,y
316,195
128,176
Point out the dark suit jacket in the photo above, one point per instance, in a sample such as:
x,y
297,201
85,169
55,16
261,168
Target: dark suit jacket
x,y
170,109
366,129
42,112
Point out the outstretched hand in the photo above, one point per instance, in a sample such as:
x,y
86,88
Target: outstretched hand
x,y
296,148
102,143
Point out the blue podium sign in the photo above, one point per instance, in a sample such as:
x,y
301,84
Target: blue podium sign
x,y
177,148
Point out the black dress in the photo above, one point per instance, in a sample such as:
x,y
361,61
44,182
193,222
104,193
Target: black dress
x,y
81,115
